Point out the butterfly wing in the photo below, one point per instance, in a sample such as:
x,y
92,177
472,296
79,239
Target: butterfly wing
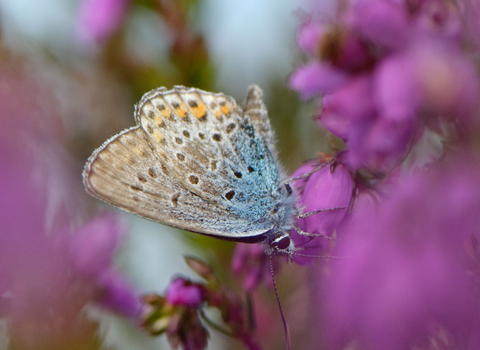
x,y
210,146
125,173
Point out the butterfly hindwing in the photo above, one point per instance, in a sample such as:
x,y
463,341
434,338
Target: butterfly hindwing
x,y
125,172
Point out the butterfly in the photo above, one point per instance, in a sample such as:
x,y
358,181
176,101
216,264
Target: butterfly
x,y
197,161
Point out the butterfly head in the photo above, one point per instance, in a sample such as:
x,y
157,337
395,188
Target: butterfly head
x,y
281,244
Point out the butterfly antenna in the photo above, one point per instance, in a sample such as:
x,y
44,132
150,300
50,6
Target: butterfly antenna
x,y
319,256
285,325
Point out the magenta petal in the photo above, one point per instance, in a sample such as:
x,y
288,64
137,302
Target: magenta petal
x,y
308,37
98,19
316,78
365,206
408,259
93,245
379,144
299,184
348,106
354,54
449,79
385,23
183,292
117,294
326,189
397,89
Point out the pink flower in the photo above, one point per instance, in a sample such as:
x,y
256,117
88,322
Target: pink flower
x,y
316,78
99,19
49,268
382,70
251,261
383,22
308,37
186,293
404,276
327,188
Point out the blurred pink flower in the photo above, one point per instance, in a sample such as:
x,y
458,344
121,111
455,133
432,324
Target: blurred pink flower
x,y
316,78
186,293
330,187
406,62
308,37
49,268
99,19
251,261
405,275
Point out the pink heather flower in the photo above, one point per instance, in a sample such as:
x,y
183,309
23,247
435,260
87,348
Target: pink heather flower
x,y
448,79
353,53
397,89
47,285
414,66
185,293
439,18
383,22
251,261
99,19
349,107
329,187
308,37
91,249
316,78
405,277
93,245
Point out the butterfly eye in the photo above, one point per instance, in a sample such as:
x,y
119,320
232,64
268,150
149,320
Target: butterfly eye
x,y
281,243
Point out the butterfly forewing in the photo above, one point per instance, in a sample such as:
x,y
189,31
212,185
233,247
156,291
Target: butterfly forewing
x,y
206,144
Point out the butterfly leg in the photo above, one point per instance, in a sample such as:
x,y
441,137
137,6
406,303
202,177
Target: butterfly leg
x,y
308,234
303,176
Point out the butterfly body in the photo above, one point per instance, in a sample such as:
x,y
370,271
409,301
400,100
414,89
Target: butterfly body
x,y
198,162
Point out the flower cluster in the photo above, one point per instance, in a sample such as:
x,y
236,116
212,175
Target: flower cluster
x,y
388,71
179,313
51,265
402,92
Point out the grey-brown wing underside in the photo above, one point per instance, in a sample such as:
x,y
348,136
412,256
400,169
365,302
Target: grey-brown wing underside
x,y
125,173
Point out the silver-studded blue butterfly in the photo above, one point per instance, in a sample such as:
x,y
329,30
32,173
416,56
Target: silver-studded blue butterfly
x,y
198,162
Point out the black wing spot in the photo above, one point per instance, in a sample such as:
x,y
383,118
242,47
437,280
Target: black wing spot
x,y
186,133
201,135
186,119
230,127
135,188
193,104
178,140
217,137
160,107
229,195
193,179
213,105
151,114
180,157
203,117
213,165
223,103
176,105
238,174
152,173
249,131
250,169
175,198
141,178
149,129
